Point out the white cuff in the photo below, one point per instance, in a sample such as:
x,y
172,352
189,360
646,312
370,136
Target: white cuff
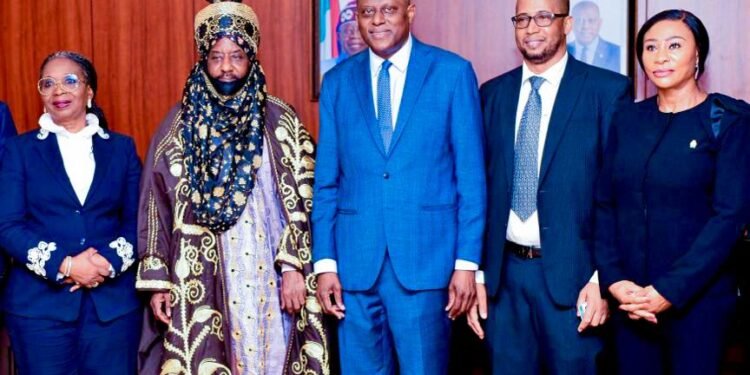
x,y
595,278
465,265
325,266
287,268
479,277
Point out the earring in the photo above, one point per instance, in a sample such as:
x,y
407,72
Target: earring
x,y
89,103
697,70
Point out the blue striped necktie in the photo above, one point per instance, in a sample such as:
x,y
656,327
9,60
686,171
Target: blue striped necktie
x,y
525,170
384,104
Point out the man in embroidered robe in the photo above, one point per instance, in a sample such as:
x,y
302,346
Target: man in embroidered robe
x,y
224,232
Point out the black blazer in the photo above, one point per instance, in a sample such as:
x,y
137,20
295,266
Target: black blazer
x,y
571,161
673,198
39,208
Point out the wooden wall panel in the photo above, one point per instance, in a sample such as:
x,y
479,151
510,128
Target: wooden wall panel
x,y
28,34
286,54
144,52
480,31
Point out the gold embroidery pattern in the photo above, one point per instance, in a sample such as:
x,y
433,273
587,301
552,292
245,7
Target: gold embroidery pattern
x,y
296,194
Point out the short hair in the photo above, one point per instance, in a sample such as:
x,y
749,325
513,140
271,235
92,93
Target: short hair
x,y
691,21
583,5
564,6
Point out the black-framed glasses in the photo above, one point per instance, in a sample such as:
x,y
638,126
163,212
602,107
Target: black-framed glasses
x,y
47,85
542,19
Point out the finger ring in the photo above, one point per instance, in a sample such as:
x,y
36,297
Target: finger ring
x,y
94,285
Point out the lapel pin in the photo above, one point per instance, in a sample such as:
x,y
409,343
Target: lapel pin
x,y
693,144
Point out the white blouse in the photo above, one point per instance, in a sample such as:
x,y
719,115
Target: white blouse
x,y
77,152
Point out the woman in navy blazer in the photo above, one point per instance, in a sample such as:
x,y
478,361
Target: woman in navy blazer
x,y
68,222
672,200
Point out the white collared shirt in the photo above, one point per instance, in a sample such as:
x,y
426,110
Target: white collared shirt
x,y
398,70
400,61
527,233
77,151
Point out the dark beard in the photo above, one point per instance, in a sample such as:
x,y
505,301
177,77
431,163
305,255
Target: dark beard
x,y
228,88
545,55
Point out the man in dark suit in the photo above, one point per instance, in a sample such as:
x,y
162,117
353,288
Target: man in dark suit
x,y
545,124
399,202
588,46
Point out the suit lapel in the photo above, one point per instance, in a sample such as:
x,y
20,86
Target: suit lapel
x,y
103,150
419,64
362,82
49,152
565,103
508,109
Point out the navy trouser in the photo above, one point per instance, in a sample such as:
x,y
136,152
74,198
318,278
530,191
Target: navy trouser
x,y
84,347
682,343
389,326
529,334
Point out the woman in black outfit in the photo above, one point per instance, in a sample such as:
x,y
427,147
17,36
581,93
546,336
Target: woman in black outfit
x,y
671,204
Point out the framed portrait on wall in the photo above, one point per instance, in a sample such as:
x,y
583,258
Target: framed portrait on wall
x,y
603,34
336,36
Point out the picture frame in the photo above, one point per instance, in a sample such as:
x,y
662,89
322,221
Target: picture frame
x,y
335,37
603,34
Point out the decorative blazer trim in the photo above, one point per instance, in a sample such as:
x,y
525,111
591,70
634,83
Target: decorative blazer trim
x,y
125,251
38,256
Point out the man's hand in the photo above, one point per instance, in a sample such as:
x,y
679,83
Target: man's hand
x,y
160,304
329,285
293,292
597,309
462,293
478,310
632,300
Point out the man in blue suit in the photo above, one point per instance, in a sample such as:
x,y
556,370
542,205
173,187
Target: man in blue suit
x,y
545,124
399,198
588,46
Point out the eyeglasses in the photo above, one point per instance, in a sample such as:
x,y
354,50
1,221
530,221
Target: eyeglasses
x,y
69,83
369,12
542,19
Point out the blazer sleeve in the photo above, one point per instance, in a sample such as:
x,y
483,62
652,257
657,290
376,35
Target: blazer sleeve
x,y
326,185
694,270
7,127
41,255
467,139
120,251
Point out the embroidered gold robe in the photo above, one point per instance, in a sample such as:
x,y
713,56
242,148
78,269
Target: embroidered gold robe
x,y
185,259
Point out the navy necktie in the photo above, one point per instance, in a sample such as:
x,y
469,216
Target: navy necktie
x,y
384,105
525,170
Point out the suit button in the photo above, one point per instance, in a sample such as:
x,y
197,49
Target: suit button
x,y
386,176
83,240
78,212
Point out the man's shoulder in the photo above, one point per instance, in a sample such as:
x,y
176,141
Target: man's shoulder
x,y
277,107
609,45
508,78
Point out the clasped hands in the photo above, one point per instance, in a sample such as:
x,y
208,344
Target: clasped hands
x,y
639,302
88,269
